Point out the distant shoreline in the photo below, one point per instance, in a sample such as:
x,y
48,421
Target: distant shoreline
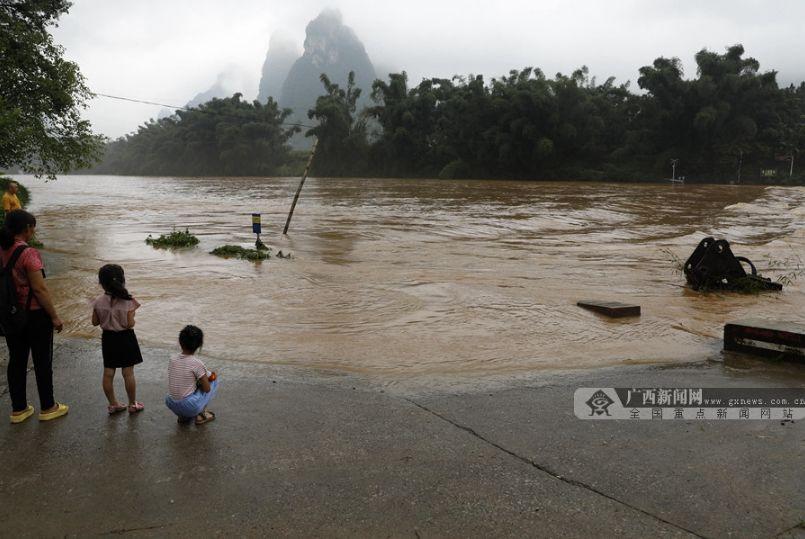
x,y
796,182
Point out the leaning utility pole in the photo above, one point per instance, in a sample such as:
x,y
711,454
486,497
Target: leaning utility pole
x,y
301,183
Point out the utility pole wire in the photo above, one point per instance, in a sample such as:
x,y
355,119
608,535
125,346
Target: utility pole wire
x,y
304,174
189,109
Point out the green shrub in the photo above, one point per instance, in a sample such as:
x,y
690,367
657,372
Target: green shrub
x,y
174,240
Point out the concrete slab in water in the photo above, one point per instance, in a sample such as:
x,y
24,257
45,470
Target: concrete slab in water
x,y
614,309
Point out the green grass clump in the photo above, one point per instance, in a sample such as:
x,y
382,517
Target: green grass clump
x,y
174,240
236,251
676,262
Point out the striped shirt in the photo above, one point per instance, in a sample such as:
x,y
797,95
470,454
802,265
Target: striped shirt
x,y
183,373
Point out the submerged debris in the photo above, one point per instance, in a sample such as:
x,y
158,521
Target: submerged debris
x,y
712,266
174,240
236,251
614,309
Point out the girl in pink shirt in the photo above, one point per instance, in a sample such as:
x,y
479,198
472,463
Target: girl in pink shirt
x,y
114,312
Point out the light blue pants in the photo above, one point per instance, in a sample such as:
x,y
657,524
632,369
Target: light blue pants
x,y
193,404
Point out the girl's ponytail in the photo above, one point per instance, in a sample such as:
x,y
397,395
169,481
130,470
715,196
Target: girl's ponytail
x,y
113,281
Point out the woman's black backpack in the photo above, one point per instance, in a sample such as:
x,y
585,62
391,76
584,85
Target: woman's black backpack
x,y
12,317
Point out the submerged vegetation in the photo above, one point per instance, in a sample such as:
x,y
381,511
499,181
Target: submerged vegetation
x,y
791,268
174,240
677,263
731,122
236,251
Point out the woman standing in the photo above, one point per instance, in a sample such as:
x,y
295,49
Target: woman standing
x,y
36,337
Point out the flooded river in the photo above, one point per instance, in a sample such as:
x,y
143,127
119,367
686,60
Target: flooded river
x,y
421,278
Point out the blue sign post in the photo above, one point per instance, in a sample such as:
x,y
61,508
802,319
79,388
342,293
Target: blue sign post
x,y
257,228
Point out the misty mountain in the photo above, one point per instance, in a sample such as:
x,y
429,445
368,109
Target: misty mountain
x,y
227,82
281,55
216,90
331,48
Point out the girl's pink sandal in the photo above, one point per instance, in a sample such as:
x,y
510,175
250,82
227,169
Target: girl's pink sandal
x,y
116,408
136,407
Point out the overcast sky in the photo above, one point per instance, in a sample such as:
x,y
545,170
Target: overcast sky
x,y
168,51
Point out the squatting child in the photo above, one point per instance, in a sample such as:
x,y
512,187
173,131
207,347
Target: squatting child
x,y
190,385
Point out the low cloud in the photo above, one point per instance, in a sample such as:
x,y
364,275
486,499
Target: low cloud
x,y
171,51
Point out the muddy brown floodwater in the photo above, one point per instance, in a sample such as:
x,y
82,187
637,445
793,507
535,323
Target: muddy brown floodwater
x,y
421,278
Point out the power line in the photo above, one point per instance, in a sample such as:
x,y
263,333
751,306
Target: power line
x,y
132,100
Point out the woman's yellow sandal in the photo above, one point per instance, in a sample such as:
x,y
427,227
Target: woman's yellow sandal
x,y
19,418
61,409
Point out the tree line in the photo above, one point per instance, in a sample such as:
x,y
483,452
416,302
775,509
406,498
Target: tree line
x,y
229,137
729,122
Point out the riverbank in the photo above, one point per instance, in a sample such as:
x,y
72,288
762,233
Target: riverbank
x,y
297,452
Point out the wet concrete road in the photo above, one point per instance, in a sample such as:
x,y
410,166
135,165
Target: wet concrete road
x,y
299,453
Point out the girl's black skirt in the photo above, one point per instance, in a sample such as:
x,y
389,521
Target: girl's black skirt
x,y
120,349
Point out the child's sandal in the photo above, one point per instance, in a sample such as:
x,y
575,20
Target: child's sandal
x,y
113,409
136,407
204,417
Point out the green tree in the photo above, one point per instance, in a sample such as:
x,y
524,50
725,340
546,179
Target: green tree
x,y
729,114
342,147
223,136
405,145
41,94
523,125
